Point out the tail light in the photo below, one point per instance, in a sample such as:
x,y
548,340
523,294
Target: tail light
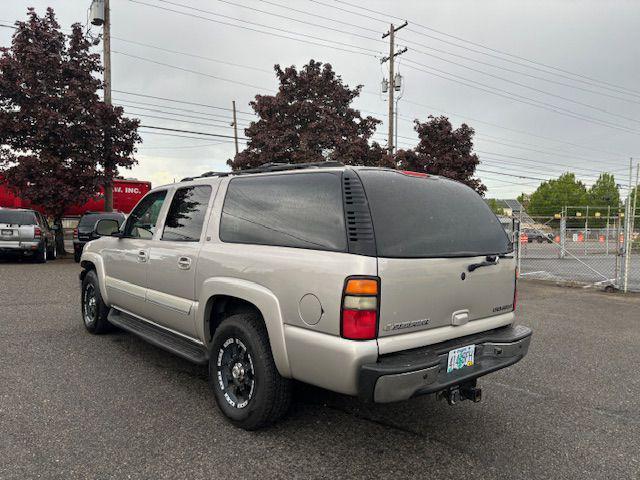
x,y
360,302
75,233
37,233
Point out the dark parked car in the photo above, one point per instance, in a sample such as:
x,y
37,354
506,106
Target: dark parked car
x,y
26,233
539,236
83,233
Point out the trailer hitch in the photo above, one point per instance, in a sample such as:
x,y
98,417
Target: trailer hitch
x,y
464,391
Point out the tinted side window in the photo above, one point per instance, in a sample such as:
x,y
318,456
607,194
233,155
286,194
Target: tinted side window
x,y
186,214
143,218
301,210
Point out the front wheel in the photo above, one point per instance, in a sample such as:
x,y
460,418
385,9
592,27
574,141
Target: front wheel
x,y
94,311
245,380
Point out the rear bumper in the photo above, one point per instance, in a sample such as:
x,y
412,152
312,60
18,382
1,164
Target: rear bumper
x,y
406,374
17,247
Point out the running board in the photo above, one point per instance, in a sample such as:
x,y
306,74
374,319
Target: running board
x,y
160,337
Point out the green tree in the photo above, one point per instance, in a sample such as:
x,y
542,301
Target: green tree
x,y
602,194
552,195
495,206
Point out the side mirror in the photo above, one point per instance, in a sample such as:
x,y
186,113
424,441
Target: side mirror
x,y
106,227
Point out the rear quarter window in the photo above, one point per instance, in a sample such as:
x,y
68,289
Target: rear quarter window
x,y
422,217
302,210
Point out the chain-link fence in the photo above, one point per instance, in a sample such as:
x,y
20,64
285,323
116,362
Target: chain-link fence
x,y
580,245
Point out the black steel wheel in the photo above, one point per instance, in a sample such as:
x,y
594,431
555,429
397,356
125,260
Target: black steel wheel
x,y
246,383
94,311
235,373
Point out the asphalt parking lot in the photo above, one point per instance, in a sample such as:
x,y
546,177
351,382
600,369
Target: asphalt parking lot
x,y
74,405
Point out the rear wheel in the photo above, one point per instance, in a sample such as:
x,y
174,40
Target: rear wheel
x,y
41,255
53,252
246,384
76,256
94,311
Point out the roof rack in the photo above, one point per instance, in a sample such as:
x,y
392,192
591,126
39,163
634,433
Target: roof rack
x,y
278,167
269,167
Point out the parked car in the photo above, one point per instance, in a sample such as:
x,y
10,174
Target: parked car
x,y
26,233
364,281
535,235
84,232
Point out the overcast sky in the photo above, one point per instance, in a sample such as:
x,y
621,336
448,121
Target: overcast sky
x,y
570,121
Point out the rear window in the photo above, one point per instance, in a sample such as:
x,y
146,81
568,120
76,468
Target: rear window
x,y
302,210
420,217
90,219
18,217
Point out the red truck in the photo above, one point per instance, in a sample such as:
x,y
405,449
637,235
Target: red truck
x,y
126,194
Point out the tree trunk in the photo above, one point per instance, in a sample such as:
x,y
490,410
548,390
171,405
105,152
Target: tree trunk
x,y
59,236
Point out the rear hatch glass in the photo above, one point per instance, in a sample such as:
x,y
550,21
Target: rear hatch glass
x,y
17,217
423,217
428,231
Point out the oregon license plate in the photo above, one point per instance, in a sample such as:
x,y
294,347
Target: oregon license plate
x,y
460,358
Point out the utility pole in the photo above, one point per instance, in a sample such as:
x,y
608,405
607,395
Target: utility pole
x,y
391,59
106,54
235,126
627,230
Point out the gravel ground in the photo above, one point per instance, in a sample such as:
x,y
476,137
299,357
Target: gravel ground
x,y
73,405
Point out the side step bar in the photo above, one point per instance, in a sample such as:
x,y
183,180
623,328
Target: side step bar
x,y
160,337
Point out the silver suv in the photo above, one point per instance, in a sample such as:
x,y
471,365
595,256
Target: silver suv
x,y
365,281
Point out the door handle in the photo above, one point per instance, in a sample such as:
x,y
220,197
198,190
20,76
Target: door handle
x,y
184,263
142,256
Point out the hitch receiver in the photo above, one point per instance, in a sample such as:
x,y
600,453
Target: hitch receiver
x,y
465,391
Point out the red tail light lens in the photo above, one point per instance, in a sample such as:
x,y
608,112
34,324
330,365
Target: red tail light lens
x,y
37,233
359,324
360,301
75,233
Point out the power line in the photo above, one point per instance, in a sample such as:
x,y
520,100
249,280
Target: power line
x,y
446,52
591,80
144,59
260,31
517,97
201,115
189,131
186,54
185,102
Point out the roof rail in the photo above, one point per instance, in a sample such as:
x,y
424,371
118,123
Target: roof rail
x,y
206,174
277,167
269,167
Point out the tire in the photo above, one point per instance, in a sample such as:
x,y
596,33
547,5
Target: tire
x,y
94,311
76,256
41,255
53,253
540,240
258,396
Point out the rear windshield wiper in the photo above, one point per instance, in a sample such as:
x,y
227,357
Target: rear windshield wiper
x,y
489,260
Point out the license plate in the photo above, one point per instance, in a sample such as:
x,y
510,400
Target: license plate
x,y
460,358
7,233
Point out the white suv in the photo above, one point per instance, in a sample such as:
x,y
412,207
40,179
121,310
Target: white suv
x,y
365,281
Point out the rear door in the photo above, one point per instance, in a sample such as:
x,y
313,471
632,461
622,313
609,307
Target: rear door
x,y
173,259
430,232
